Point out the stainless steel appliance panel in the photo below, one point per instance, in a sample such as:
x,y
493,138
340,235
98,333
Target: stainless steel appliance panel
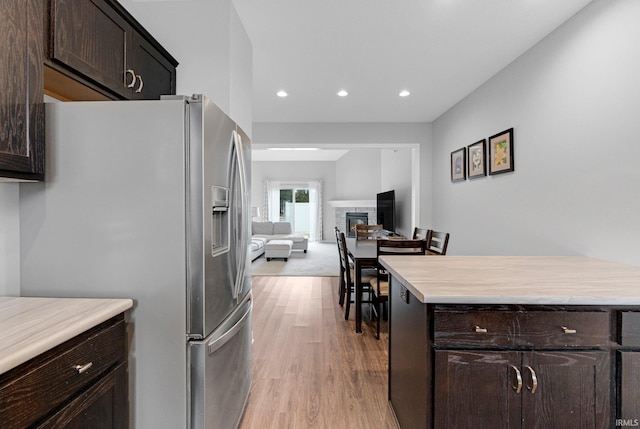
x,y
210,280
220,372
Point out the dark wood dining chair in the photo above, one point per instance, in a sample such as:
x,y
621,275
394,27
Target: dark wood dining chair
x,y
420,233
341,281
349,277
380,285
368,232
437,242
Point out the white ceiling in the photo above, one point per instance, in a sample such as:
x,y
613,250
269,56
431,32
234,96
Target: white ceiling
x,y
440,50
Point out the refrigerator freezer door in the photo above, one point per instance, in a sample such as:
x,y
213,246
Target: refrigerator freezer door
x,y
220,373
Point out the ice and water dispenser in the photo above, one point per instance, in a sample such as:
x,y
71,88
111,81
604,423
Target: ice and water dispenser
x,y
219,220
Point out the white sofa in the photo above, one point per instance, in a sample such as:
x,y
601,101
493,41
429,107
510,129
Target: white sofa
x,y
263,232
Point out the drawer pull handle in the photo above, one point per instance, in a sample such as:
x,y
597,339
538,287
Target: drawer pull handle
x,y
534,379
83,368
517,387
480,330
568,331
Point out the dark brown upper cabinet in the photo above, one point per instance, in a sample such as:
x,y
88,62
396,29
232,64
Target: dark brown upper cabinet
x,y
98,44
21,90
155,73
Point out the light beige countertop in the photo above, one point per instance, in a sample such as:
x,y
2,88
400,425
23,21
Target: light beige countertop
x,y
573,280
31,326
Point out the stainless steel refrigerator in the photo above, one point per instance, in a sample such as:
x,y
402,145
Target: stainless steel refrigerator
x,y
150,200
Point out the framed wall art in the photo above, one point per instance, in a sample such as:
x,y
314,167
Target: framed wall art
x,y
476,159
501,152
458,165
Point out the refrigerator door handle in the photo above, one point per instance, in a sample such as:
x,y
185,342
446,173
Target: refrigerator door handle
x,y
224,338
242,254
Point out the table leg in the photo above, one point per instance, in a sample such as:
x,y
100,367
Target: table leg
x,y
358,290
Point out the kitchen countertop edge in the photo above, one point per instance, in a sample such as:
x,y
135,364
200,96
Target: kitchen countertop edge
x,y
30,326
527,280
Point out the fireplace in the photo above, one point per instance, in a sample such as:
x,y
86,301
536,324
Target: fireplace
x,y
354,219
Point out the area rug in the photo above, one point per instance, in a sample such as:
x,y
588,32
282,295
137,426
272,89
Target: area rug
x,y
321,260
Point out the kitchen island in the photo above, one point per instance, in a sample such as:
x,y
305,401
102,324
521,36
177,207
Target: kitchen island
x,y
543,342
63,362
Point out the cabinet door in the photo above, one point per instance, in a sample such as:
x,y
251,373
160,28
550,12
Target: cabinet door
x,y
155,75
477,389
409,359
21,90
90,37
102,406
566,390
630,385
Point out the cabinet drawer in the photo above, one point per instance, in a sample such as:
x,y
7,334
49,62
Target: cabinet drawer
x,y
43,385
630,328
564,329
475,328
521,328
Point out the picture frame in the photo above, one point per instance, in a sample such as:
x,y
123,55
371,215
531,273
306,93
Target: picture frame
x,y
459,165
477,159
501,152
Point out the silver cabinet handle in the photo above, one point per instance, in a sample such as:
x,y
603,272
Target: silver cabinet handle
x,y
534,379
568,331
517,387
480,330
139,90
133,79
83,368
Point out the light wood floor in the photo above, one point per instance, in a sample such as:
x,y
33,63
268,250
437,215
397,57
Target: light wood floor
x,y
310,368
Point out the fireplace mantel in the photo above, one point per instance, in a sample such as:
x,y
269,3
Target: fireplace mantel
x,y
352,203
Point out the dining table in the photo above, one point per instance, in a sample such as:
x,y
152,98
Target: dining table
x,y
364,254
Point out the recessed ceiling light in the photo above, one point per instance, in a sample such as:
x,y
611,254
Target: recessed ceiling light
x,y
342,93
282,94
404,93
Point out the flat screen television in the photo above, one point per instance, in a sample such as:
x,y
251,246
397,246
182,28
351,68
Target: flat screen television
x,y
386,210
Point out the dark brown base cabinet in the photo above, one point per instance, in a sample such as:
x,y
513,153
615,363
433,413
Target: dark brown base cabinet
x,y
521,389
512,366
630,387
81,384
99,44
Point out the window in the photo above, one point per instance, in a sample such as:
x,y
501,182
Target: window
x,y
297,203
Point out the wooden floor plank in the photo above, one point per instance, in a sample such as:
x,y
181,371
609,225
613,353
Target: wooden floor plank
x,y
310,368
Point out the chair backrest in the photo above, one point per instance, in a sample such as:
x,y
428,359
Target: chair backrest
x,y
344,257
336,232
420,233
437,242
401,247
367,232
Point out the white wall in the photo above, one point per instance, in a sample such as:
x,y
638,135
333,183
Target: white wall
x,y
573,101
395,174
9,240
358,175
296,171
